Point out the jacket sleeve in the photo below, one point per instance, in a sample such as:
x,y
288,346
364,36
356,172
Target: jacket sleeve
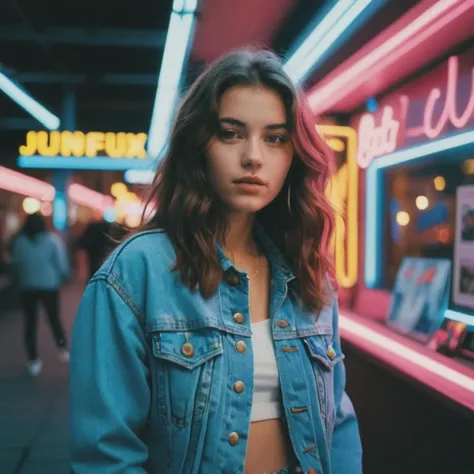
x,y
346,450
109,384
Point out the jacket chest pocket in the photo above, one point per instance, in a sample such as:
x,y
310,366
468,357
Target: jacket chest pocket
x,y
184,371
324,357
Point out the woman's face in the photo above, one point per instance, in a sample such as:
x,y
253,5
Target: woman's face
x,y
249,157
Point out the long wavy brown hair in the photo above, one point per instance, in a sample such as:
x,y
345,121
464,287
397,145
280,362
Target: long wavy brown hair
x,y
187,208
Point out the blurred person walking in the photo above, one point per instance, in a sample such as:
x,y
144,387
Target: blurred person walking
x,y
40,266
95,242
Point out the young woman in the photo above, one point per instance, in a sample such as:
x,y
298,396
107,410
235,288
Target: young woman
x,y
40,265
209,343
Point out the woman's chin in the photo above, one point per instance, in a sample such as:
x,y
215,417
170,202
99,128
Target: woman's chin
x,y
249,205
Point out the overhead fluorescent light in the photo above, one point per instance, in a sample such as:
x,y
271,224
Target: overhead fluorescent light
x,y
351,76
177,44
34,108
323,36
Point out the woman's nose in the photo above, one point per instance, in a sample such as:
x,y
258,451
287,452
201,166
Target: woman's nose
x,y
252,154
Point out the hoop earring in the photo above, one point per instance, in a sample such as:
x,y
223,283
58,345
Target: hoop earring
x,y
289,200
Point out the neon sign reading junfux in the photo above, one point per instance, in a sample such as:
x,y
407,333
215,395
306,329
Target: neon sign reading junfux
x,y
80,144
377,140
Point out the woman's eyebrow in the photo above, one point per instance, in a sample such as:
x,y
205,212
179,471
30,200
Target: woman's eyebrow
x,y
232,121
239,123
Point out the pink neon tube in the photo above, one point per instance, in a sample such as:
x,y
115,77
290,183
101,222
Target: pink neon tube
x,y
28,186
89,198
441,373
423,28
25,185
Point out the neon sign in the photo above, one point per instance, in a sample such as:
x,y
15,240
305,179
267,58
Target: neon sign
x,y
79,144
391,131
377,140
343,193
450,109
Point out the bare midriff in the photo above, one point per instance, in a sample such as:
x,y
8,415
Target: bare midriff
x,y
267,448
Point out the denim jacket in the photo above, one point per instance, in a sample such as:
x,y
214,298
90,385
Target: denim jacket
x,y
153,366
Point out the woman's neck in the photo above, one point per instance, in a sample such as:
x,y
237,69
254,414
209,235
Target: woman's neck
x,y
239,238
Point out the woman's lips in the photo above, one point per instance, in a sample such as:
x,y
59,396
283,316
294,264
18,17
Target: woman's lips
x,y
249,187
250,180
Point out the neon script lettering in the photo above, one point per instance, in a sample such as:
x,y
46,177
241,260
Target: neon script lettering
x,y
377,140
79,144
449,112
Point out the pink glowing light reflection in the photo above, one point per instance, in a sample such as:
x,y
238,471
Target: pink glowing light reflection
x,y
414,358
89,198
26,185
421,29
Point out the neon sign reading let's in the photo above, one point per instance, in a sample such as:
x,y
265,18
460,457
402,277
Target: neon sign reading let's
x,y
390,131
80,144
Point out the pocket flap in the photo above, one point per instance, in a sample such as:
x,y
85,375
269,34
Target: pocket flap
x,y
187,349
324,352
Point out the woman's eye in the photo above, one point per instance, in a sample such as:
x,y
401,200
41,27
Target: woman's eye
x,y
277,139
228,134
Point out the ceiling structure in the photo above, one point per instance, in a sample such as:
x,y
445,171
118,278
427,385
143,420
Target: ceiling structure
x,y
110,57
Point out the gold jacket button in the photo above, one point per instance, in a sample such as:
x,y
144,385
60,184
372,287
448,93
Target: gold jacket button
x,y
241,347
331,353
239,387
187,349
232,278
281,323
239,318
234,438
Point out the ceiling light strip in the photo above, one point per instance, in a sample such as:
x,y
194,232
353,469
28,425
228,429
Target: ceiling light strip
x,y
177,44
323,36
34,108
409,37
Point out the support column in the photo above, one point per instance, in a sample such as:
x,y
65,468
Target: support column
x,y
61,177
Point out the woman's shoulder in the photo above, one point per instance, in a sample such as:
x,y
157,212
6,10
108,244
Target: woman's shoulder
x,y
139,253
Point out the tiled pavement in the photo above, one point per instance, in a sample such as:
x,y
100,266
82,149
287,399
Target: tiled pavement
x,y
33,411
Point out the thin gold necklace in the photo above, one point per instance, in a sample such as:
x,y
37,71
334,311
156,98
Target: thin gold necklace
x,y
249,277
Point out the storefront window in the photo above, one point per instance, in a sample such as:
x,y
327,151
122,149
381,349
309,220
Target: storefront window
x,y
420,211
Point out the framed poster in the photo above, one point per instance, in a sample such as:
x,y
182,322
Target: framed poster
x,y
420,296
463,275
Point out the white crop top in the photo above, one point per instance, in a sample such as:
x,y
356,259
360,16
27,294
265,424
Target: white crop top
x,y
267,395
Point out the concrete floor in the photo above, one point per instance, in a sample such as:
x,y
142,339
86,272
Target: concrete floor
x,y
34,411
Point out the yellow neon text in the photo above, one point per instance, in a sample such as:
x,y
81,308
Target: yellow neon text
x,y
79,144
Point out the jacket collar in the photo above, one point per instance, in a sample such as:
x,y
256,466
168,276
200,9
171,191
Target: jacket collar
x,y
271,251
